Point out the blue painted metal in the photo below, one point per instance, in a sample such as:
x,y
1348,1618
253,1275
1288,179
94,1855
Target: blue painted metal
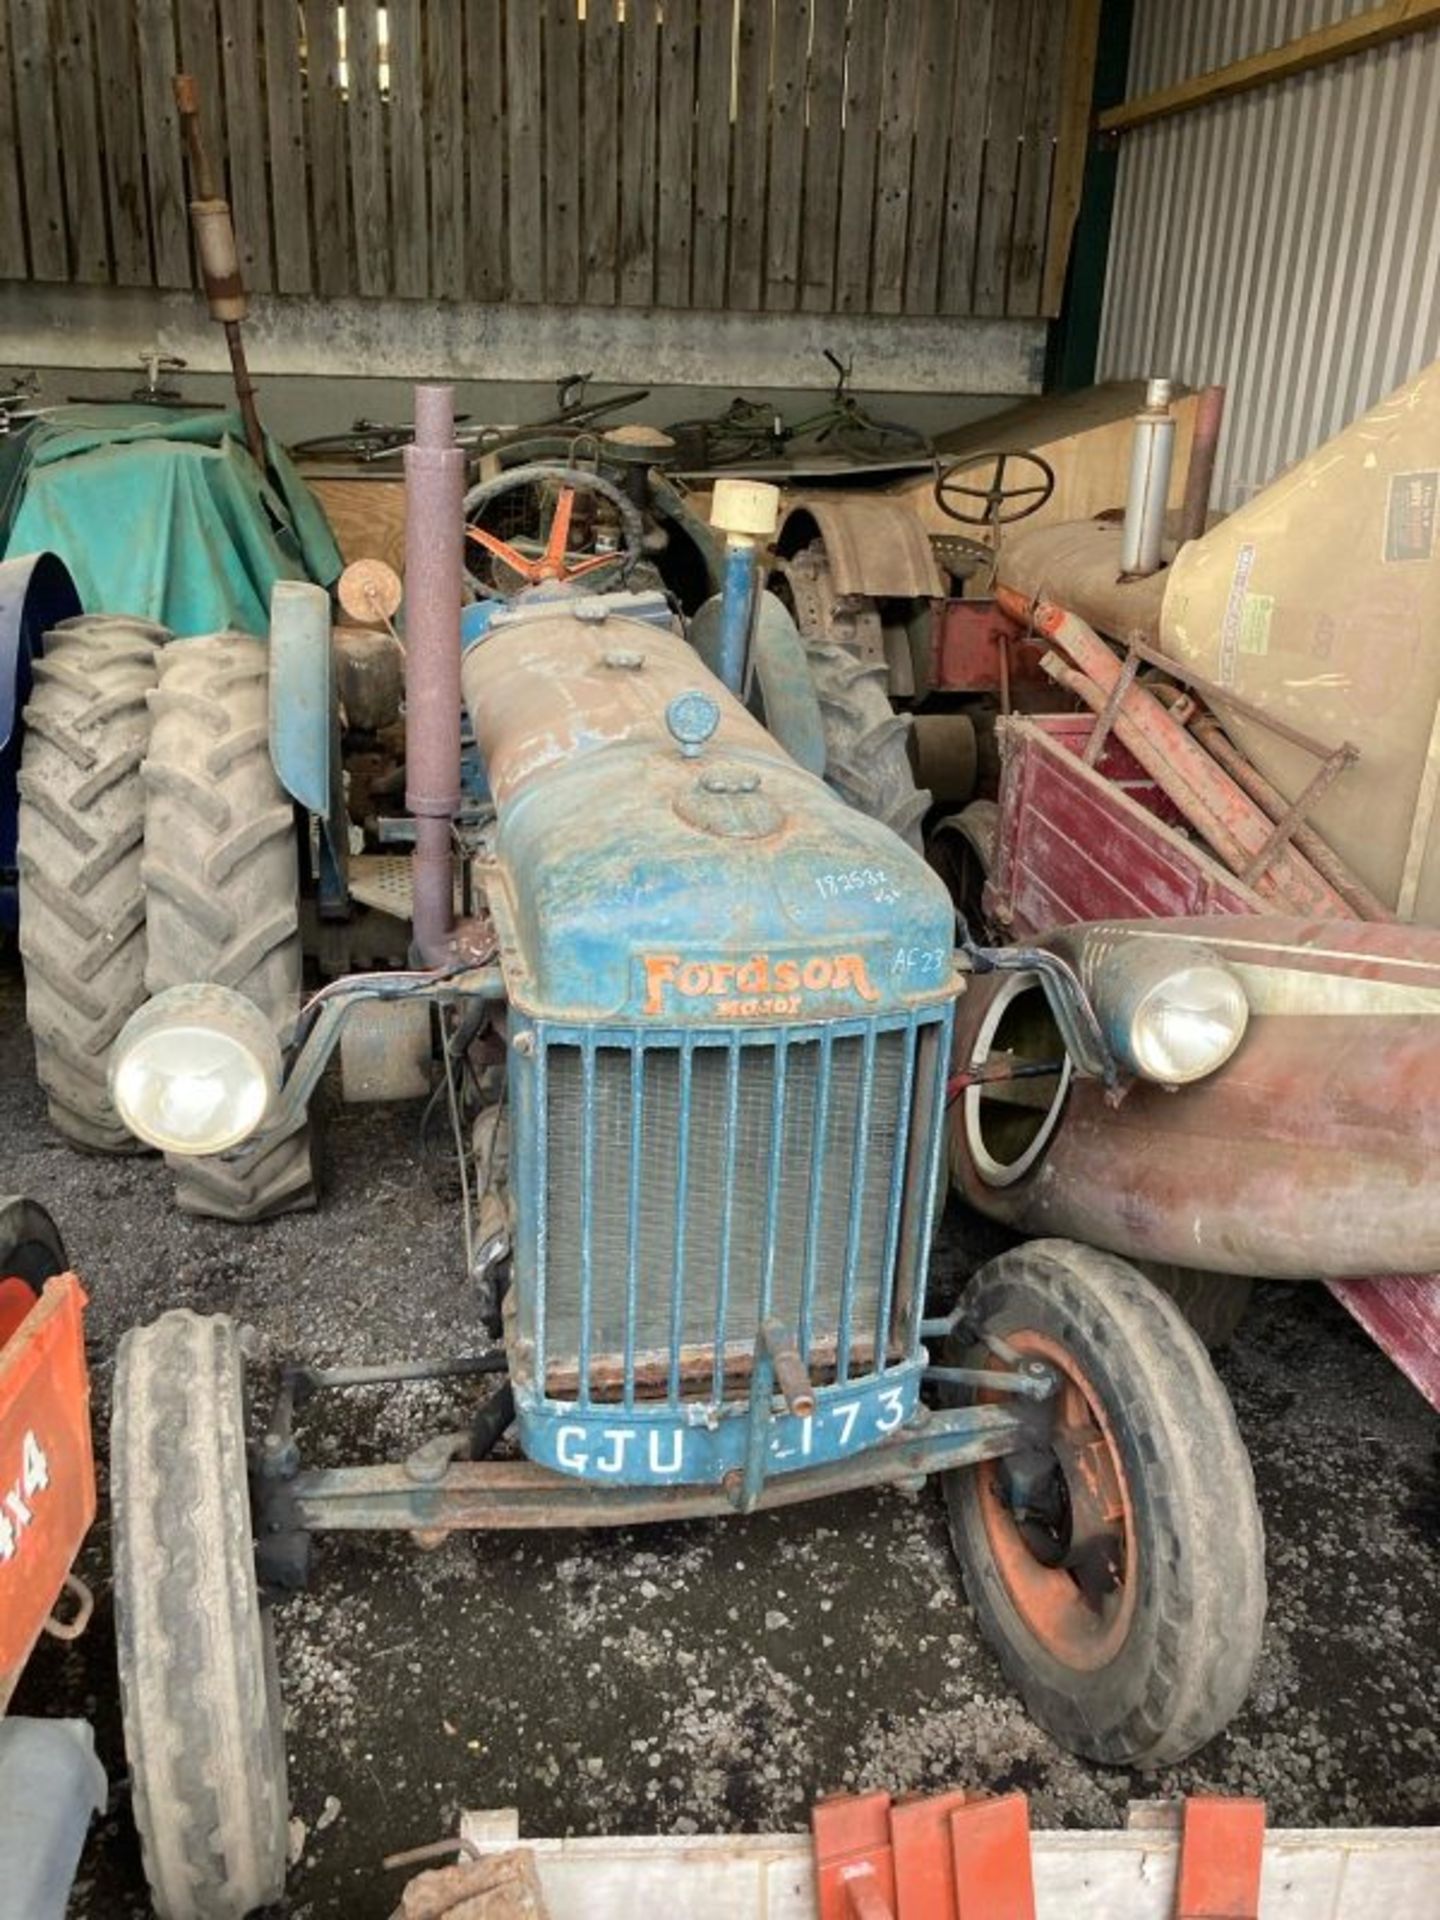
x,y
36,593
648,1445
737,614
599,1422
783,692
305,726
303,705
722,982
616,906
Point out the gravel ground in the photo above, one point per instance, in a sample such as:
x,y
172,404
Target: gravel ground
x,y
712,1676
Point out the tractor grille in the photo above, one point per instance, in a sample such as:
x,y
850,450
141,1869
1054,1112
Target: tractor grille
x,y
688,1191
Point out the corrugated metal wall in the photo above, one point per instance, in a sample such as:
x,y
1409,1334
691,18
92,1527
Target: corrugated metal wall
x,y
1285,242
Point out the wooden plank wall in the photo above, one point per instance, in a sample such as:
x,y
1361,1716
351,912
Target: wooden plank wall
x,y
849,156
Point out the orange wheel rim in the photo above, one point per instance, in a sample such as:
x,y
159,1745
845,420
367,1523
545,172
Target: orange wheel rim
x,y
1081,1609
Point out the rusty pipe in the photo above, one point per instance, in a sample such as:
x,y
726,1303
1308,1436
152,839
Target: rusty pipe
x,y
1200,474
1236,827
434,559
1305,839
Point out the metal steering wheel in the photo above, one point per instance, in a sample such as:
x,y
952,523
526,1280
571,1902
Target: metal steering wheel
x,y
948,487
553,563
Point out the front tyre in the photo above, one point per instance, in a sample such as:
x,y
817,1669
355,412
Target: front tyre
x,y
1118,1566
199,1689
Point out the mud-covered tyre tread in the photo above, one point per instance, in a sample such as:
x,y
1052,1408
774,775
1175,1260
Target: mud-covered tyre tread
x,y
198,1681
1187,1664
81,824
867,743
222,887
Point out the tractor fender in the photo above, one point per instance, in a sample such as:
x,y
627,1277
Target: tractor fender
x,y
874,546
304,725
36,593
304,708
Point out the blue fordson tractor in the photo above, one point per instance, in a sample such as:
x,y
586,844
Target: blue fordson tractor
x,y
712,1006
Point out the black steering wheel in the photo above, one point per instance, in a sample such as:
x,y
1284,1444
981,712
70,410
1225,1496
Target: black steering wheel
x,y
553,562
948,487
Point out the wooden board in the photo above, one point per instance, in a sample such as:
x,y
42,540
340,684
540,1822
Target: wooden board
x,y
76,103
34,68
523,94
288,170
369,189
1006,93
857,162
747,206
367,518
409,188
245,141
484,144
329,172
444,124
562,153
675,231
821,201
835,156
967,154
712,153
787,153
600,175
639,64
935,81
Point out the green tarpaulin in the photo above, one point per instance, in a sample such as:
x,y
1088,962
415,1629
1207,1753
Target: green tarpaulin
x,y
163,514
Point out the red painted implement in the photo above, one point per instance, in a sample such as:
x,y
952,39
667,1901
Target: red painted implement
x,y
1079,844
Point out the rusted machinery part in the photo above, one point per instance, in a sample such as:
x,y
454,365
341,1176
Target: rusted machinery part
x,y
1304,838
876,546
1234,825
945,756
222,887
1077,565
82,903
867,744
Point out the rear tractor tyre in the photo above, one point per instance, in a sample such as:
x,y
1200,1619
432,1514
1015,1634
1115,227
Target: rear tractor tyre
x,y
1118,1566
82,902
199,1686
222,888
867,744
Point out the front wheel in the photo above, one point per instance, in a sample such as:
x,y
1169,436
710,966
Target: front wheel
x,y
1117,1565
199,1689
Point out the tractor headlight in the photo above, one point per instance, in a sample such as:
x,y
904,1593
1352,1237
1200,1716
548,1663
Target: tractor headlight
x,y
195,1069
1171,1011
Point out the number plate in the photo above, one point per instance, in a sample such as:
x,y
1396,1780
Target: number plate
x,y
661,1448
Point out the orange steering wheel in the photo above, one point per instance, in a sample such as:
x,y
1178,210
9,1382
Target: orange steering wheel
x,y
553,563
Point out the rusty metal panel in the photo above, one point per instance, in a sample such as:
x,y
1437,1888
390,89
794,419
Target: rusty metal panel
x,y
1284,242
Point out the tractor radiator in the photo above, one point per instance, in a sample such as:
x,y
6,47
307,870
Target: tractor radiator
x,y
686,1191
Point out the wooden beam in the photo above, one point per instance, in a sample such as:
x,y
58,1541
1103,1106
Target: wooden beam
x,y
1082,37
1355,35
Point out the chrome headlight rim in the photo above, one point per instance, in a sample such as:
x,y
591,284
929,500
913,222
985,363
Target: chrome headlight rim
x,y
1134,979
206,1038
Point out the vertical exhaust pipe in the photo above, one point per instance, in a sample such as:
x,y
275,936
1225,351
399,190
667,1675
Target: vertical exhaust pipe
x,y
1200,476
1151,452
434,561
